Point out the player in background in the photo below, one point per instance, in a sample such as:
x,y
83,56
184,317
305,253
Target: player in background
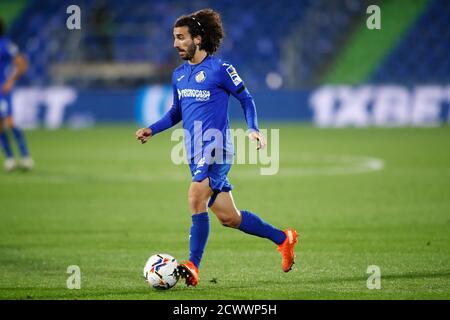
x,y
12,66
201,89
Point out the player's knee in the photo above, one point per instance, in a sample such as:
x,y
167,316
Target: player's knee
x,y
199,193
198,199
197,205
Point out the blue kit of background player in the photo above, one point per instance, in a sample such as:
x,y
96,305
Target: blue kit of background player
x,y
12,66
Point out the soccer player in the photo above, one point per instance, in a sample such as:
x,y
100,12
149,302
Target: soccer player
x,y
201,89
12,66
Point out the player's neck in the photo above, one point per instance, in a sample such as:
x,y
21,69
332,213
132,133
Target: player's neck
x,y
198,57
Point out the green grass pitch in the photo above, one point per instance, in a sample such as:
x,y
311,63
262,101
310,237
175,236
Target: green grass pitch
x,y
100,200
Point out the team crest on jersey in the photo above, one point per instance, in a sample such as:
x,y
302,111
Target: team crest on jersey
x,y
200,77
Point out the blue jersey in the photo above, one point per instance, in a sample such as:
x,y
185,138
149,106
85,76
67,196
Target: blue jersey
x,y
8,52
200,99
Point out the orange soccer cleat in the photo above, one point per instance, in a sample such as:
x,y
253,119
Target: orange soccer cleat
x,y
189,272
287,249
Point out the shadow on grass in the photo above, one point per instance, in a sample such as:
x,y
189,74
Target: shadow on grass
x,y
179,292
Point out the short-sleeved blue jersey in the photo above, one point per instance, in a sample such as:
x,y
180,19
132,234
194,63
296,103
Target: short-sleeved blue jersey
x,y
8,52
200,96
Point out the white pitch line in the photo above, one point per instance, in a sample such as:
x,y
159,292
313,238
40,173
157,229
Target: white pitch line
x,y
339,165
331,165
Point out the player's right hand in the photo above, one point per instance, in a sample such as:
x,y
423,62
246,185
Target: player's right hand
x,y
144,134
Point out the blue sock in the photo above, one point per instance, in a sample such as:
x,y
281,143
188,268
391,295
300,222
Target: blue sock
x,y
5,145
252,224
199,236
20,140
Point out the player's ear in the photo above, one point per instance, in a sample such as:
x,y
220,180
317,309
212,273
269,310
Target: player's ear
x,y
197,40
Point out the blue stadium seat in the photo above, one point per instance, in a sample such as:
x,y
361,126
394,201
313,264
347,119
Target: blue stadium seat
x,y
422,56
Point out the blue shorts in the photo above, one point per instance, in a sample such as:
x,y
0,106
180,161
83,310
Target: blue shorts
x,y
217,174
5,106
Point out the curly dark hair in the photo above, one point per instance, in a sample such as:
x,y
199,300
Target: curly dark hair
x,y
206,23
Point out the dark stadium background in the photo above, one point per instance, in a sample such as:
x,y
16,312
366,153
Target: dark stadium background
x,y
286,51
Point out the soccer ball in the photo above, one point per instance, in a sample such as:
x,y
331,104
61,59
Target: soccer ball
x,y
161,271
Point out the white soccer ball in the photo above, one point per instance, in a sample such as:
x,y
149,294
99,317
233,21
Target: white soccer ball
x,y
160,271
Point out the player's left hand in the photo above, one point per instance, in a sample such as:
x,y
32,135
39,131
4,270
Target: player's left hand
x,y
259,138
7,87
143,134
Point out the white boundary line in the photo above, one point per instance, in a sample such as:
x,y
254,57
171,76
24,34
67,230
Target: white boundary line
x,y
331,164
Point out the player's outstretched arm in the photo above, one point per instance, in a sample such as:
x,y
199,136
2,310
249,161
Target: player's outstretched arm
x,y
171,118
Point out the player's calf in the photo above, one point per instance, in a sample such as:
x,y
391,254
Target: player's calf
x,y
230,219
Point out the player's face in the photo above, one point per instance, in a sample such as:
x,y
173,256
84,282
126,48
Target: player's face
x,y
184,43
